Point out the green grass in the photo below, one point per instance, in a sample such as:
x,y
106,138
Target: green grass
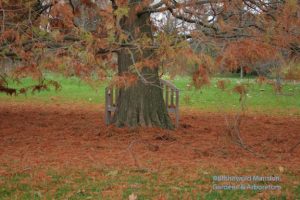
x,y
260,97
103,183
119,184
73,90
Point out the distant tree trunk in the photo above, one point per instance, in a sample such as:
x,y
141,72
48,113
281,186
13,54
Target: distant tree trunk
x,y
141,104
242,72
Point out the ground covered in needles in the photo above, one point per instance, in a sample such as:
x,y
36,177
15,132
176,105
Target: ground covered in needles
x,y
65,151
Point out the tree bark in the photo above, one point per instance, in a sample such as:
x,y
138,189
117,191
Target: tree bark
x,y
141,104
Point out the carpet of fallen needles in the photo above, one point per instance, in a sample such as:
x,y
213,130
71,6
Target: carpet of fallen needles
x,y
56,135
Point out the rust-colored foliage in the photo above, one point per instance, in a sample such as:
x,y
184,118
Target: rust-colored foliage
x,y
151,63
55,84
122,2
62,17
261,80
124,80
277,87
27,70
200,77
10,36
88,3
204,143
4,87
241,89
222,84
40,87
292,71
247,52
80,38
23,91
8,91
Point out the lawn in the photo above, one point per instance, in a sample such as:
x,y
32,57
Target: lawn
x,y
260,98
55,145
103,183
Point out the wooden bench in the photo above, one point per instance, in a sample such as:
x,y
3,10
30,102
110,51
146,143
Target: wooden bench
x,y
171,97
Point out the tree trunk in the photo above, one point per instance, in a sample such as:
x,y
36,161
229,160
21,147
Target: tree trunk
x,y
141,104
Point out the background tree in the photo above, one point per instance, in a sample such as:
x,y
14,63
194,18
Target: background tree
x,y
81,37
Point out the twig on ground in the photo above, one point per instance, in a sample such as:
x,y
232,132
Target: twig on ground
x,y
150,147
136,163
234,125
294,147
234,133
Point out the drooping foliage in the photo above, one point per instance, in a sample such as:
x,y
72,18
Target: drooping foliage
x,y
82,37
